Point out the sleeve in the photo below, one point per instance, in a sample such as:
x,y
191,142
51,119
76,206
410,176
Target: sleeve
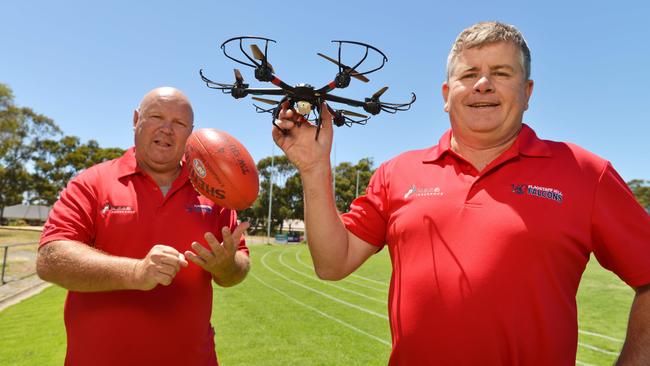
x,y
73,215
367,218
620,230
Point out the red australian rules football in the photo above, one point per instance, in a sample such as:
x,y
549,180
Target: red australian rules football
x,y
221,168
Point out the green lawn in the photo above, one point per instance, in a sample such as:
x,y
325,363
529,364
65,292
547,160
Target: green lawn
x,y
8,236
283,315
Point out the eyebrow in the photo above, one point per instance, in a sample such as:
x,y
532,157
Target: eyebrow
x,y
492,68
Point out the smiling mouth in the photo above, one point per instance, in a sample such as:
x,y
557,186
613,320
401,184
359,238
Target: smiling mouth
x,y
484,105
162,143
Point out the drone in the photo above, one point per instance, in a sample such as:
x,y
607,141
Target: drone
x,y
304,98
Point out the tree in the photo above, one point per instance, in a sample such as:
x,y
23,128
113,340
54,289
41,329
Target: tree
x,y
288,193
641,190
257,214
58,161
22,131
346,182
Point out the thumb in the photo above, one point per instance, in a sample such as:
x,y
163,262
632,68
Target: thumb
x,y
182,260
326,116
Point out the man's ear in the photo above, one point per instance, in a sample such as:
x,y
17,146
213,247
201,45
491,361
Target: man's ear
x,y
529,91
445,95
136,116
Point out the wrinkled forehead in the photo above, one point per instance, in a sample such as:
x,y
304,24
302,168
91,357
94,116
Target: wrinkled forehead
x,y
494,55
166,102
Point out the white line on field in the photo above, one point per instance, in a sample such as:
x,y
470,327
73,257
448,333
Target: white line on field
x,y
382,301
383,341
580,344
601,336
347,279
333,298
594,348
583,363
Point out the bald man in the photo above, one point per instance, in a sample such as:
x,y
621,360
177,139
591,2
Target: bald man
x,y
137,247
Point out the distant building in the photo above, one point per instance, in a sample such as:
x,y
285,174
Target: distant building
x,y
293,225
33,214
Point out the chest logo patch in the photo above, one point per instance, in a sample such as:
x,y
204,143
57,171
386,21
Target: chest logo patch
x,y
416,191
108,207
199,208
538,191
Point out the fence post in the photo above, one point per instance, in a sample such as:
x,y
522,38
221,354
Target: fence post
x,y
4,265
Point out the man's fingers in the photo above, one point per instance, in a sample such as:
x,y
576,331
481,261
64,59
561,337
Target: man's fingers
x,y
218,250
164,279
192,257
231,240
285,124
202,251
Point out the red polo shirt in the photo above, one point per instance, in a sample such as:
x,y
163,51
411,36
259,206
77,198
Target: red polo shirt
x,y
486,265
117,208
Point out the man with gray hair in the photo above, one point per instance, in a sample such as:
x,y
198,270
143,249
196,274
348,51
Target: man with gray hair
x,y
490,230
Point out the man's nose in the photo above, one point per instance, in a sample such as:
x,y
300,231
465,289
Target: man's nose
x,y
483,85
166,126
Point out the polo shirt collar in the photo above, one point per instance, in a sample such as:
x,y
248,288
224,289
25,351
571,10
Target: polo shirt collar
x,y
527,144
128,165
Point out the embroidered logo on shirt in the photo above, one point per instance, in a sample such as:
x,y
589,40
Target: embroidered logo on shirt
x,y
538,191
199,208
423,191
108,207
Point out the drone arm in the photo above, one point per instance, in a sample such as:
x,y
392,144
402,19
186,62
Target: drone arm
x,y
327,88
281,84
337,99
265,91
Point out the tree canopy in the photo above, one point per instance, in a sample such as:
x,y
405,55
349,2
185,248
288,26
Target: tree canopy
x,y
36,161
641,190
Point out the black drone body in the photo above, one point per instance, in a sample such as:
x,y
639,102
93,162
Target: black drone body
x,y
305,98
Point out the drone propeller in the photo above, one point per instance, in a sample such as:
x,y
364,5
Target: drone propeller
x,y
267,101
379,93
257,53
354,74
238,78
350,113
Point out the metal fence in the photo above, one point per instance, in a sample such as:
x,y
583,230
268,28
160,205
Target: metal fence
x,y
20,263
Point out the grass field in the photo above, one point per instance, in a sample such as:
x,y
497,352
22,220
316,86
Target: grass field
x,y
283,315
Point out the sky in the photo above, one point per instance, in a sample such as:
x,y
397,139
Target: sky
x,y
87,65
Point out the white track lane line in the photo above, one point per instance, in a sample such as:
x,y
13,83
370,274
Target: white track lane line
x,y
380,340
597,349
381,301
601,336
580,344
333,298
578,362
347,279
